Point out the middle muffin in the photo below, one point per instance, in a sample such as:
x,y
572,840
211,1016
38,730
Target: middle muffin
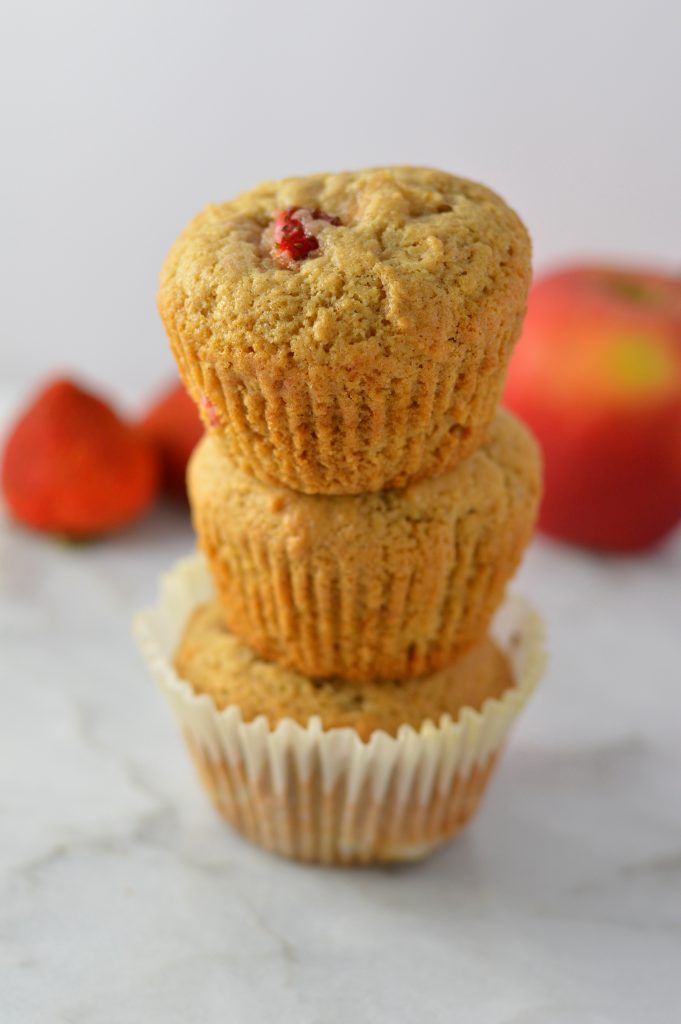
x,y
388,584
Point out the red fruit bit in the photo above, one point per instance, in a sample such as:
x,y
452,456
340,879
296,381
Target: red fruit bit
x,y
295,233
210,410
72,467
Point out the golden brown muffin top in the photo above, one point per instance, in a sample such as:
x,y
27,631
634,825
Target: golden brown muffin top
x,y
214,662
499,481
413,254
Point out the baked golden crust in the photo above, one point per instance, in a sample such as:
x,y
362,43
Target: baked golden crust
x,y
216,663
380,585
376,360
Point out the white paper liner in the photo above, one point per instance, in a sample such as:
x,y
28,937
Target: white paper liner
x,y
327,795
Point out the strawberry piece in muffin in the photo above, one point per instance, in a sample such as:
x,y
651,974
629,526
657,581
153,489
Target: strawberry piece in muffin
x,y
295,233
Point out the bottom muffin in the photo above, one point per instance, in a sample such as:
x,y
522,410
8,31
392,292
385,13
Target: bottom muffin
x,y
215,662
325,770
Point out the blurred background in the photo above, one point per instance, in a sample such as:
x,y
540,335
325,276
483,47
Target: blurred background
x,y
121,120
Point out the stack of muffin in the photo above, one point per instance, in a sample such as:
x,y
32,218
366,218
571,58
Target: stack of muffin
x,y
361,503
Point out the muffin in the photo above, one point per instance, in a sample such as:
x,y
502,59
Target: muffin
x,y
344,333
215,662
324,771
388,584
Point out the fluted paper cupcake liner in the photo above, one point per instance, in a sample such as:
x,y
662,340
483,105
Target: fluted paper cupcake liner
x,y
326,795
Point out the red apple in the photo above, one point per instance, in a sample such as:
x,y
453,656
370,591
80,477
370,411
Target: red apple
x,y
597,376
172,424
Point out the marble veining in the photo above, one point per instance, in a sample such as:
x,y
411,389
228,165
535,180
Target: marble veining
x,y
124,899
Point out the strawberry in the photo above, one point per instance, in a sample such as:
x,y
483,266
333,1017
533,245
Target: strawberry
x,y
72,467
174,427
295,233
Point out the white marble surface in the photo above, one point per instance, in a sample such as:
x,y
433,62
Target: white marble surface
x,y
124,899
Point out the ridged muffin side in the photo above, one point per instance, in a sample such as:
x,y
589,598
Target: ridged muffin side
x,y
381,585
377,360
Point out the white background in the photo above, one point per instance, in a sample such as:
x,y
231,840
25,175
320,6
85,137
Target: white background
x,y
121,120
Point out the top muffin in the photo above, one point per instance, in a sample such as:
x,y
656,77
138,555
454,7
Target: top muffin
x,y
348,332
